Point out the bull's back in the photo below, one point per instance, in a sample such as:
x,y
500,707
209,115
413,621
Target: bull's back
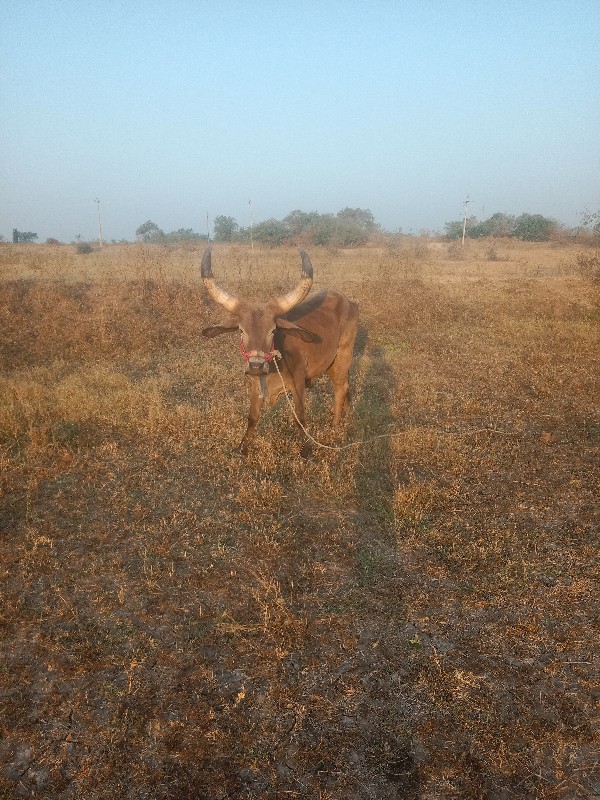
x,y
333,318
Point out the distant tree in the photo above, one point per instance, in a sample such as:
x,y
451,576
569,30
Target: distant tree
x,y
183,235
23,237
225,228
354,226
299,221
149,232
454,230
350,226
272,232
51,240
497,225
349,232
534,227
530,227
590,220
322,231
362,217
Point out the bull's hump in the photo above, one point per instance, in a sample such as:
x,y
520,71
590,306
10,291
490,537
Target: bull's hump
x,y
324,300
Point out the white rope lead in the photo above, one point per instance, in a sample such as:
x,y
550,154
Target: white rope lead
x,y
374,438
312,438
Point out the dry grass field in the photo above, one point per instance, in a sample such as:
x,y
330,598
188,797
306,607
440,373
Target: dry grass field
x,y
412,617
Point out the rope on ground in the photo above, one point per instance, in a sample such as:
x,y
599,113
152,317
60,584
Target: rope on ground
x,y
363,441
321,444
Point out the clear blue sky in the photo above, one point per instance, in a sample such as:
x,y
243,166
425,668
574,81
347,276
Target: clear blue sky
x,y
169,110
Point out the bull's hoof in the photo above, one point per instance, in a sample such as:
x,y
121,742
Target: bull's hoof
x,y
307,449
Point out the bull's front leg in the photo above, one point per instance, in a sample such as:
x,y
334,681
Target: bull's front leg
x,y
256,404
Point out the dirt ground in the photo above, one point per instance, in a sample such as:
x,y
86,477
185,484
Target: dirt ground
x,y
415,617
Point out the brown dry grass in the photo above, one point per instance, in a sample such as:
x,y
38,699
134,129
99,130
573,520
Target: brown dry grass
x,y
412,618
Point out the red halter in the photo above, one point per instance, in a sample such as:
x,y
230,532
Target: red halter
x,y
260,353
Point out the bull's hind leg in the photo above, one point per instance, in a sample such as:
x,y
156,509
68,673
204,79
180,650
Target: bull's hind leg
x,y
299,395
338,371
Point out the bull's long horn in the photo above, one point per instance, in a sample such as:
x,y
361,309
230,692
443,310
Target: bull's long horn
x,y
220,296
297,295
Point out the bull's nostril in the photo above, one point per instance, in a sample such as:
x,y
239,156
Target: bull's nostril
x,y
255,368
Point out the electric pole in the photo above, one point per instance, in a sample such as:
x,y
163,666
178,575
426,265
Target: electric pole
x,y
465,204
97,201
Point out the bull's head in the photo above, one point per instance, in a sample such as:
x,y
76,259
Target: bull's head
x,y
257,321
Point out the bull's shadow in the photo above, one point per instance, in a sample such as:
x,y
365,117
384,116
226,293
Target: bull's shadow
x,y
360,343
371,418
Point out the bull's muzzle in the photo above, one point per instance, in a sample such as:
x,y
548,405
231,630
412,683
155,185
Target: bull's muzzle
x,y
257,361
257,366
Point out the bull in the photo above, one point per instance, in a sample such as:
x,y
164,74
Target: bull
x,y
307,336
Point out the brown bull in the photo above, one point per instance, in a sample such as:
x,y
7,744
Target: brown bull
x,y
307,338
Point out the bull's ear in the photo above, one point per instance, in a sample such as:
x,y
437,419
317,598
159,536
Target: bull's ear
x,y
217,330
297,330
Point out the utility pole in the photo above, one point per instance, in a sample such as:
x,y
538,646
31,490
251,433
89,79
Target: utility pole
x,y
466,203
97,201
251,239
207,228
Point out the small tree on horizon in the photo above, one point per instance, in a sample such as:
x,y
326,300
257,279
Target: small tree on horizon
x,y
225,228
299,221
529,227
590,221
498,224
272,232
322,231
23,237
149,232
362,217
534,227
454,229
